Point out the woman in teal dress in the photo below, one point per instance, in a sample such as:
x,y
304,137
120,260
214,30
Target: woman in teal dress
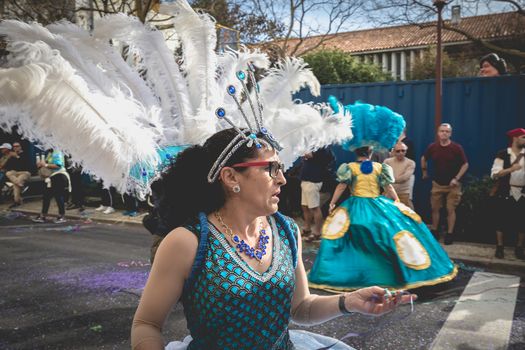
x,y
374,240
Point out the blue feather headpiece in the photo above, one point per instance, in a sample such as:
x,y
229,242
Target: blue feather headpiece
x,y
375,126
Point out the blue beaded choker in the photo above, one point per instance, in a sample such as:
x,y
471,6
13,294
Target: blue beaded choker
x,y
256,252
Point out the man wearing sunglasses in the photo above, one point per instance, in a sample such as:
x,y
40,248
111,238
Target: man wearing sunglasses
x,y
403,172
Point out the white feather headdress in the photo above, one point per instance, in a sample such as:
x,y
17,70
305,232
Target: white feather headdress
x,y
73,91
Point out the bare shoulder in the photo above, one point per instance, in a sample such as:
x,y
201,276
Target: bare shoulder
x,y
181,236
178,249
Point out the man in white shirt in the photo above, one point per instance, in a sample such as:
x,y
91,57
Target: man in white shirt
x,y
509,170
403,173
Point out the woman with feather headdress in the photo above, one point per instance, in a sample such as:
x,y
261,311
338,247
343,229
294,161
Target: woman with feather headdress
x,y
371,239
230,258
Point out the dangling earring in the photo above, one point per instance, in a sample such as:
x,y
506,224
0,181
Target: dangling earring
x,y
236,189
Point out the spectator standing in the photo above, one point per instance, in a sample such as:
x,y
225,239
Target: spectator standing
x,y
132,205
290,196
106,197
509,170
315,165
492,65
153,221
56,182
410,154
17,171
76,201
403,173
449,164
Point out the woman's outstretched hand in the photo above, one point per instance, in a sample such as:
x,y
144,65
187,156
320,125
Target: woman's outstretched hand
x,y
376,300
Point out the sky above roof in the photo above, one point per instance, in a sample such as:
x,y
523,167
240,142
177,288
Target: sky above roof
x,y
319,19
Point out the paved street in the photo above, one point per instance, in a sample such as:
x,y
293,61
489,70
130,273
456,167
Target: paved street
x,y
76,286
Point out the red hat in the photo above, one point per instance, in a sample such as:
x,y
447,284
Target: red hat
x,y
516,132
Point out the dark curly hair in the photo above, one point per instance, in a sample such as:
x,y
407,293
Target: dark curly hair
x,y
365,151
183,190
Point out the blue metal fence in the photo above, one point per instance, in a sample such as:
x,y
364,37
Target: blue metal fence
x,y
480,110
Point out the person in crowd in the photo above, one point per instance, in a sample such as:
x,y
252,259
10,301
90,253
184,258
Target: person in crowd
x,y
152,220
371,239
411,150
290,196
492,65
5,155
233,260
449,165
132,205
77,198
17,171
56,183
106,200
509,171
403,173
410,154
314,166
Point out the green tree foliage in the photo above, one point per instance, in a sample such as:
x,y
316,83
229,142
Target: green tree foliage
x,y
425,67
337,67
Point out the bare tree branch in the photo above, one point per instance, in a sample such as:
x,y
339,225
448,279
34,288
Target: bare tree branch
x,y
306,19
485,43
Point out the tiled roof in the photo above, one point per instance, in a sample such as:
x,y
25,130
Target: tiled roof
x,y
492,26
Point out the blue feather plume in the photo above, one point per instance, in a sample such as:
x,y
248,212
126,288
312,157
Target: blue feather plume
x,y
376,126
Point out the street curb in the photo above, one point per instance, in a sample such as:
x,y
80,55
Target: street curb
x,y
109,220
491,263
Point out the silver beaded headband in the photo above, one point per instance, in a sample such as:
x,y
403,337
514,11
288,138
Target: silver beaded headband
x,y
247,136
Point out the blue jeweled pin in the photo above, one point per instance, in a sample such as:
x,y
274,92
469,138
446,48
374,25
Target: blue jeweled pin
x,y
220,112
241,75
231,90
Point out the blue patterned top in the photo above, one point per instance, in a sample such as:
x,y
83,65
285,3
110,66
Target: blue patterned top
x,y
228,305
56,158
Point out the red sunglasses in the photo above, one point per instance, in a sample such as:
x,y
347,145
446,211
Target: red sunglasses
x,y
273,166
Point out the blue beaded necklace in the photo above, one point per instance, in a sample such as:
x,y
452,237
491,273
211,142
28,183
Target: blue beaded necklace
x,y
256,252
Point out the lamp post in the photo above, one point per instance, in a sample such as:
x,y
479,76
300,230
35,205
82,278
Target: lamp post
x,y
439,4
